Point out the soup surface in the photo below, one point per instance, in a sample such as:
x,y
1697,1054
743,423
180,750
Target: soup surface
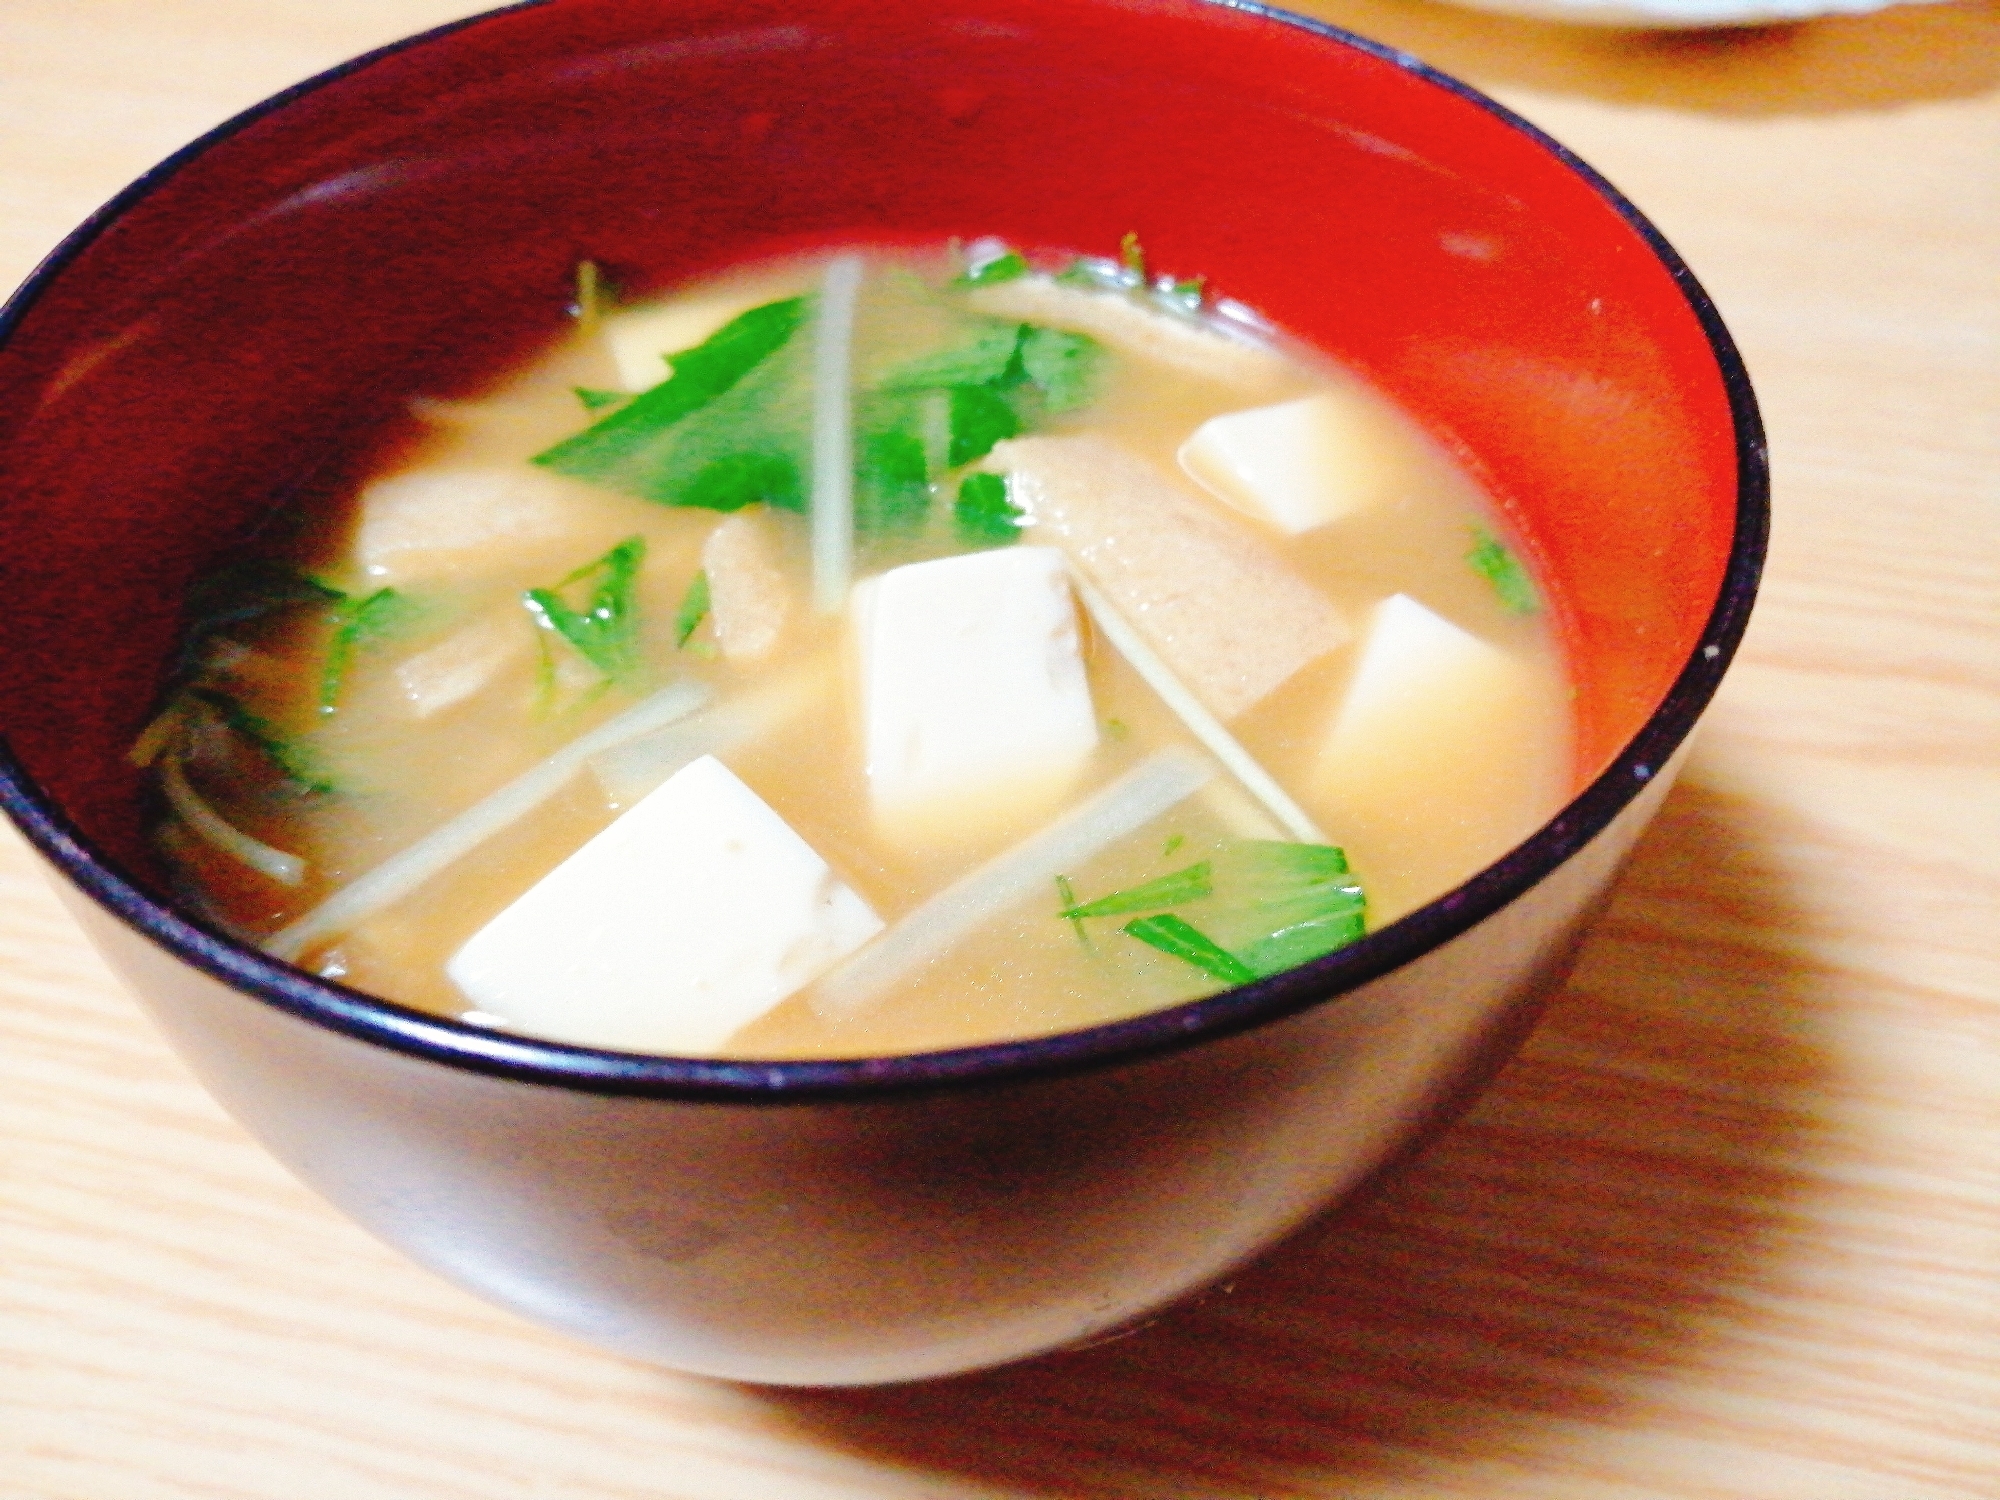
x,y
867,654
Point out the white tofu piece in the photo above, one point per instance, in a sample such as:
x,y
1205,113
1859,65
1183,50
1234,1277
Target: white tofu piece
x,y
1423,693
1299,464
976,708
640,340
423,523
688,918
1442,753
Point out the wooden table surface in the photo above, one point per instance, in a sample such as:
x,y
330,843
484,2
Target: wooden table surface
x,y
1729,1227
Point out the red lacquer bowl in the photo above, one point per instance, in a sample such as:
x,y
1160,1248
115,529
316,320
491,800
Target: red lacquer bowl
x,y
245,319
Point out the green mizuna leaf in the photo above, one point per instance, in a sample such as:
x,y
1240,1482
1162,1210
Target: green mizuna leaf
x,y
892,492
1305,940
1491,560
982,357
1004,267
980,417
1066,897
1178,938
596,400
1062,365
358,622
738,479
292,760
1177,889
604,626
693,610
1280,904
983,516
752,409
1264,906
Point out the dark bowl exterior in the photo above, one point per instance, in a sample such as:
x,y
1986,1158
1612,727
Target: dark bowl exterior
x,y
856,1240
244,322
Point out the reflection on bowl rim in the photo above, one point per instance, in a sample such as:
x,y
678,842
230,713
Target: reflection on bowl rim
x,y
721,1080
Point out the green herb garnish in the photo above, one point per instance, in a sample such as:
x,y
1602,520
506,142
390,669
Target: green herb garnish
x,y
597,400
999,379
1063,365
356,623
1066,893
604,628
731,425
1179,939
980,417
1174,841
1281,904
1302,941
693,610
649,447
739,479
985,357
297,764
1176,889
1491,560
892,492
1003,267
983,515
1264,906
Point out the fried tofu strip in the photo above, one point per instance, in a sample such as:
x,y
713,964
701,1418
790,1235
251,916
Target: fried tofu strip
x,y
1114,319
749,599
1222,609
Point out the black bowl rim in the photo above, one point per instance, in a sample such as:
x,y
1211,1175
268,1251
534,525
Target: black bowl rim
x,y
528,1059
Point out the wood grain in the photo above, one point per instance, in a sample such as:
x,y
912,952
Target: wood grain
x,y
1729,1227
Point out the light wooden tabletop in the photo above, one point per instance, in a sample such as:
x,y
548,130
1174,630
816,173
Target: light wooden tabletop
x,y
1729,1227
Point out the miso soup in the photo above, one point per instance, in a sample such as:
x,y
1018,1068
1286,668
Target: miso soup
x,y
874,653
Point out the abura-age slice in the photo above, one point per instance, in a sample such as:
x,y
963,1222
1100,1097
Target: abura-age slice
x,y
1230,616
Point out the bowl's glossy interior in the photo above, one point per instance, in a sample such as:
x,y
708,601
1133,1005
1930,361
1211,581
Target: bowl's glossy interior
x,y
242,322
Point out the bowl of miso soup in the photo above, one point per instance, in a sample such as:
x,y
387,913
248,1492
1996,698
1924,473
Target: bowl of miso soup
x,y
832,693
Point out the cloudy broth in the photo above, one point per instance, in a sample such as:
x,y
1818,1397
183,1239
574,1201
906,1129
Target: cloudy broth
x,y
433,644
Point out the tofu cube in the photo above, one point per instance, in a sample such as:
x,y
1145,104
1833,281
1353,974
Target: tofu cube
x,y
975,706
688,918
1441,755
1300,464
